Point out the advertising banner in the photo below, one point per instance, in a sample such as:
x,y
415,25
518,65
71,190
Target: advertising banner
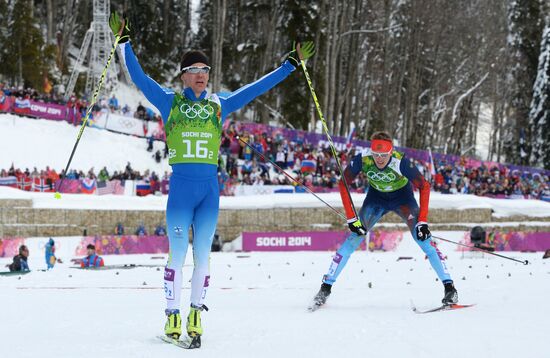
x,y
9,246
295,241
124,245
48,110
127,125
241,190
515,241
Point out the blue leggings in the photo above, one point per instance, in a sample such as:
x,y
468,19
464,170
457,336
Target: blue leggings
x,y
369,216
192,203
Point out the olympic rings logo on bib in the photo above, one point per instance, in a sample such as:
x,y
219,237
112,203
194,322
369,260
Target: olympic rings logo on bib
x,y
381,176
196,110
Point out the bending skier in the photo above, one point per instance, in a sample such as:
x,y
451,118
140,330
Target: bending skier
x,y
193,121
391,179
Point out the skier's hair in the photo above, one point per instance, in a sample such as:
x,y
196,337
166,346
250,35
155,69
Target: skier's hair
x,y
382,135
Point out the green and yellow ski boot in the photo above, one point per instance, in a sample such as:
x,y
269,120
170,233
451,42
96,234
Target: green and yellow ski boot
x,y
172,328
194,327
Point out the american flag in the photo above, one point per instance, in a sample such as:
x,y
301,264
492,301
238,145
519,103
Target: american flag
x,y
105,187
118,187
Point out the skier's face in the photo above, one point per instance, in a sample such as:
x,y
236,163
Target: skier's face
x,y
381,159
196,81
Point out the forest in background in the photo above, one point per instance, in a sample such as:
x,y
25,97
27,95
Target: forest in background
x,y
425,70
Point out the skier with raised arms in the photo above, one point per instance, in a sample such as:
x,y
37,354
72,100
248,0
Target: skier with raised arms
x,y
193,122
391,178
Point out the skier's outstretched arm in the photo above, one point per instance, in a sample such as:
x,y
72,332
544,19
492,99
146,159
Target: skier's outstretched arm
x,y
351,171
244,95
419,182
160,97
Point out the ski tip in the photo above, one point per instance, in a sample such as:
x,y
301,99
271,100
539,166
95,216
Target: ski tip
x,y
57,195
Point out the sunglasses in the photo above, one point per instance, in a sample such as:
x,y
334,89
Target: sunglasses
x,y
196,70
380,155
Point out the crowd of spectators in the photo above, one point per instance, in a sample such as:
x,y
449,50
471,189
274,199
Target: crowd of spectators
x,y
313,165
238,166
316,167
76,107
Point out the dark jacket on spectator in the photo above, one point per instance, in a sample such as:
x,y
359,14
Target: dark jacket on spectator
x,y
19,264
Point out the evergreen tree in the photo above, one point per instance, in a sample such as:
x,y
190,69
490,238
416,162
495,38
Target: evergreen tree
x,y
525,28
3,32
28,55
539,115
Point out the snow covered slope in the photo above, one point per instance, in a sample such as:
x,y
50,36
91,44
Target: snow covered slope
x,y
29,143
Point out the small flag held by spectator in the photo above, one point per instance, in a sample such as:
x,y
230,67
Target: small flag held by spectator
x,y
431,163
308,166
88,186
105,187
350,137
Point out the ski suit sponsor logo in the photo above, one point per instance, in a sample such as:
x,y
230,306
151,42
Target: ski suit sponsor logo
x,y
178,231
334,264
169,276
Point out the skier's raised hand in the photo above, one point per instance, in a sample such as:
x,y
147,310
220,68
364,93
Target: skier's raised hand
x,y
301,51
120,27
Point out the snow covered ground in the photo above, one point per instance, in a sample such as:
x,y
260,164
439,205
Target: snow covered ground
x,y
258,306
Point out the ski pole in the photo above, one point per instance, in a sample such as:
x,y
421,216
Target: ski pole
x,y
292,178
525,262
57,195
325,128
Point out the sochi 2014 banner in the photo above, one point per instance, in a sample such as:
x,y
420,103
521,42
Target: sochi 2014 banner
x,y
294,241
48,110
29,107
514,241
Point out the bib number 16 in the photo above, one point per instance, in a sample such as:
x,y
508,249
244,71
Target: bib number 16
x,y
201,151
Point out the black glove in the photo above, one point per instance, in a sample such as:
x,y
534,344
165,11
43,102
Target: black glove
x,y
307,49
116,24
357,227
422,231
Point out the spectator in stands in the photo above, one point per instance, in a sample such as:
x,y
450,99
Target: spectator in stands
x,y
119,229
113,103
141,231
103,174
150,141
19,263
160,230
73,109
92,259
140,112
